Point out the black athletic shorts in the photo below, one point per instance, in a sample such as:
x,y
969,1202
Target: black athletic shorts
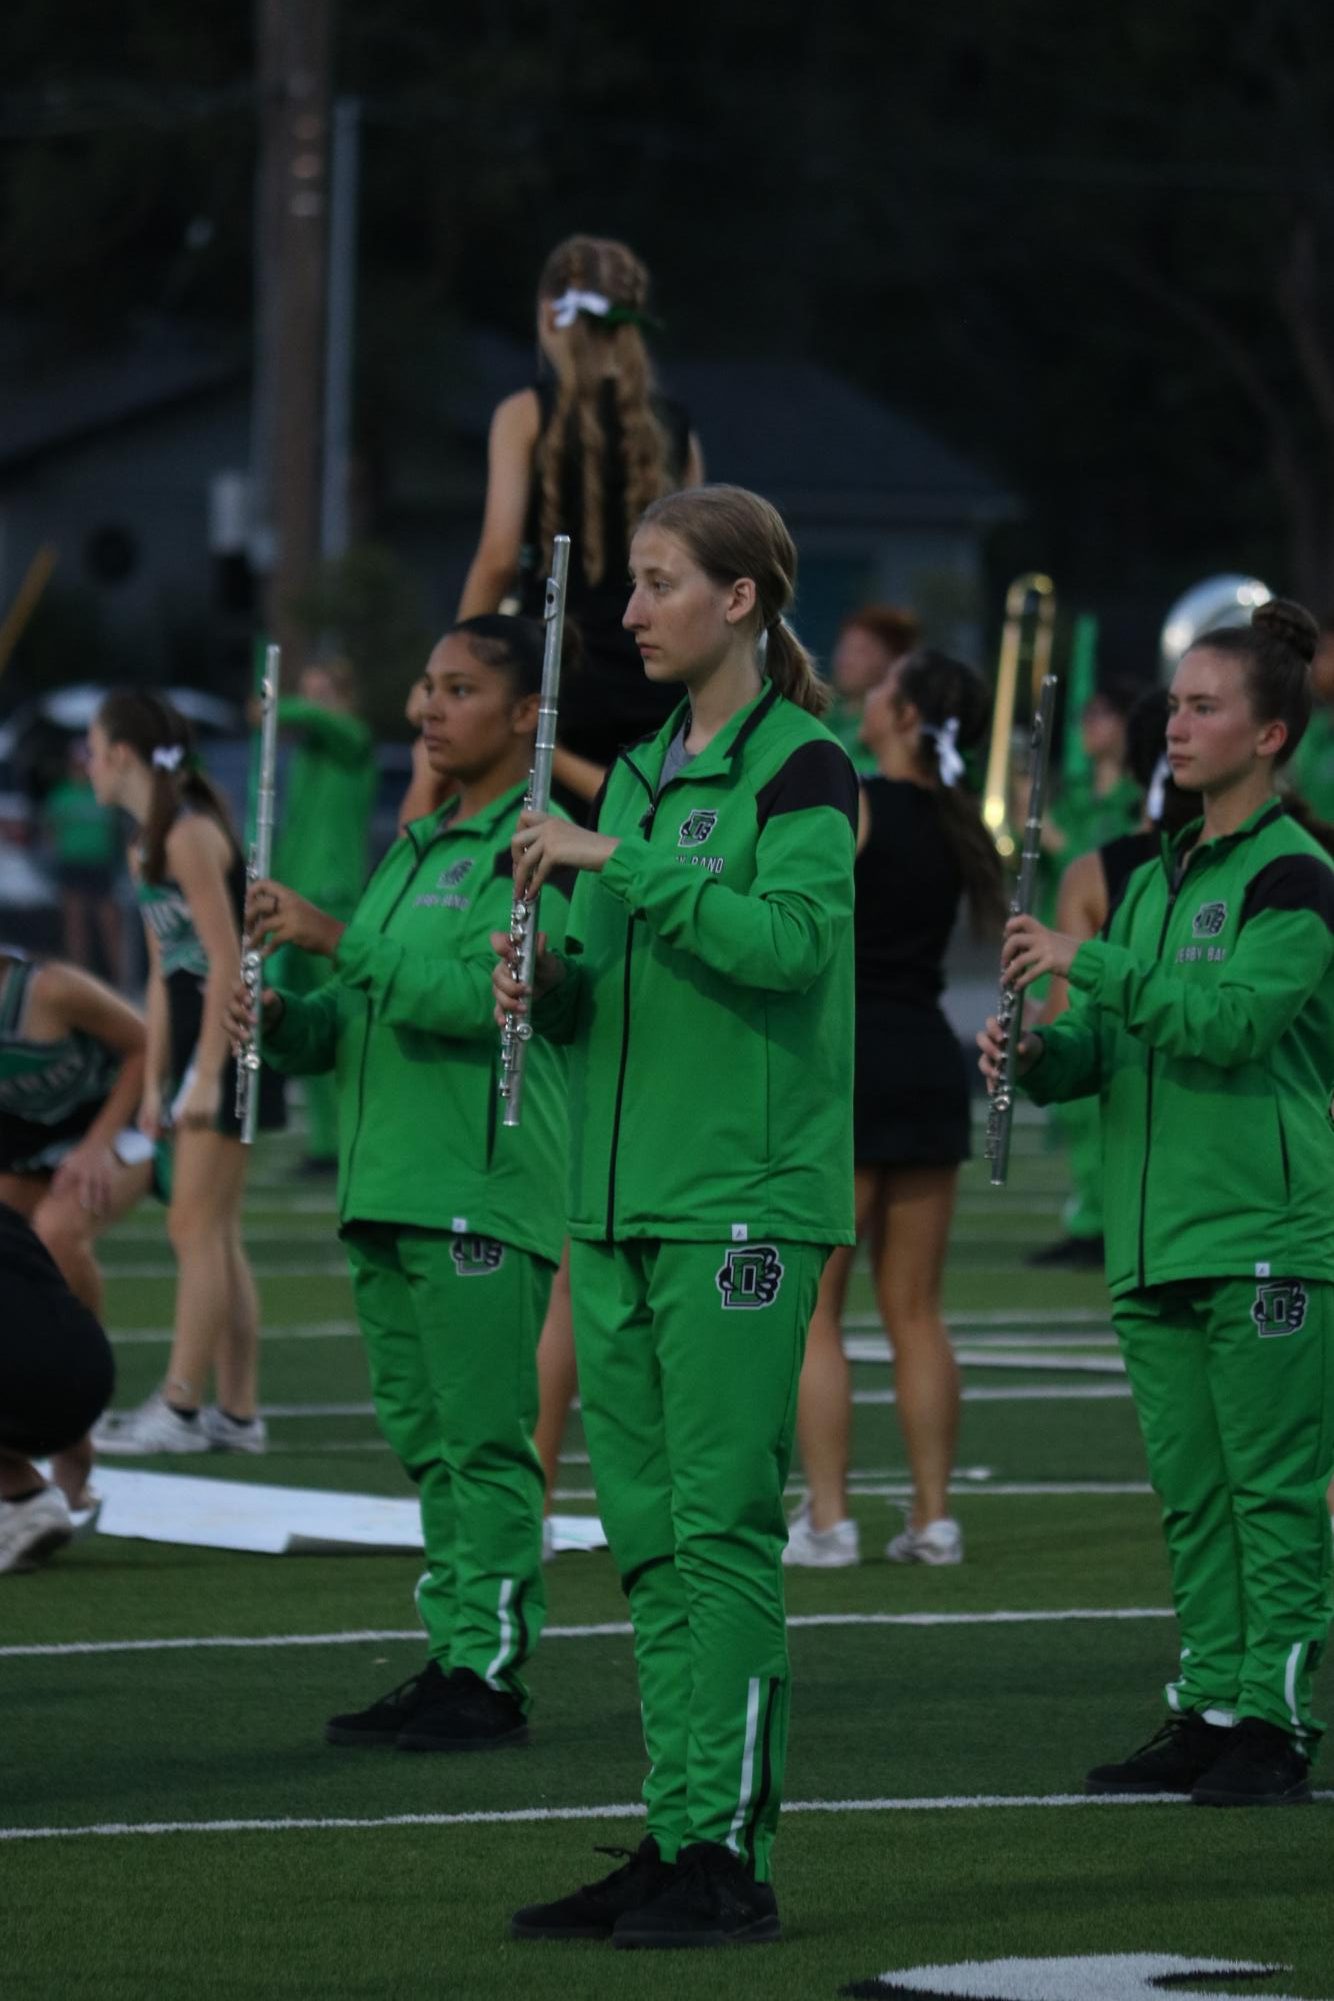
x,y
57,1373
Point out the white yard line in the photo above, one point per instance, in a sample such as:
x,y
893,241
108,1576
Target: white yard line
x,y
628,1810
612,1630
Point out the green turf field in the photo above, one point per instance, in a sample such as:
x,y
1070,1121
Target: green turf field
x,y
174,1826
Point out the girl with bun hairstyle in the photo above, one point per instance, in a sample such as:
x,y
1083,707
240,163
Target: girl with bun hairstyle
x,y
922,852
1202,1018
189,878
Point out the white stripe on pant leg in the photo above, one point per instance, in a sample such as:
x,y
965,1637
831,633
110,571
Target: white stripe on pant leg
x,y
747,1764
1290,1685
506,1646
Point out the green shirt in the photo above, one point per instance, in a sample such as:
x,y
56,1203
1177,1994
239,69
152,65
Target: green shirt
x,y
406,1024
846,723
708,991
1204,1021
321,843
83,833
1312,764
1089,819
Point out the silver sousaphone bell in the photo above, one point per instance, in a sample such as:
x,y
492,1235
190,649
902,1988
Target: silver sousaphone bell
x,y
1207,607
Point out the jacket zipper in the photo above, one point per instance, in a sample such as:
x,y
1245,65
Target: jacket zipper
x,y
1175,892
647,825
418,853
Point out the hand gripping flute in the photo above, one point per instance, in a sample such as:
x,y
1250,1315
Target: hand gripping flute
x,y
1010,1010
515,1035
257,866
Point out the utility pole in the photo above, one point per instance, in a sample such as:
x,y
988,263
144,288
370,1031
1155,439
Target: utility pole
x,y
294,41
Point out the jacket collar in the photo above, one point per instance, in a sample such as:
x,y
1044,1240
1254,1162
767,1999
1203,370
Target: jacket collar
x,y
480,826
1177,851
717,757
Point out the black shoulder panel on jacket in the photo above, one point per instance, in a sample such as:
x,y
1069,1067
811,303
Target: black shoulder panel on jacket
x,y
818,773
1292,882
504,862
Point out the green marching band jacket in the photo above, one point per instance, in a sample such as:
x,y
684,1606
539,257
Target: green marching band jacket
x,y
407,1024
1204,1018
708,991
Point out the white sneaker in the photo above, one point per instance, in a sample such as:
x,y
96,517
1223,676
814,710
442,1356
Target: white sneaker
x,y
224,1434
938,1542
30,1531
154,1427
821,1549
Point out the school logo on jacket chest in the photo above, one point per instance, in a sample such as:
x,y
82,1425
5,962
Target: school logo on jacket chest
x,y
448,880
1207,923
696,827
695,831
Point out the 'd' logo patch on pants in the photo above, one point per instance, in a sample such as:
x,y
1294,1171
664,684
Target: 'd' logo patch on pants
x,y
1279,1308
751,1277
476,1257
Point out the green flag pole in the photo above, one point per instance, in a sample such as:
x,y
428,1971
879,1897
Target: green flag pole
x,y
1079,692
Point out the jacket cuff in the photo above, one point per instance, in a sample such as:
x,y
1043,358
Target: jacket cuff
x,y
623,870
1089,965
354,960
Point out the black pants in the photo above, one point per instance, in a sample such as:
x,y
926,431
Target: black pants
x,y
57,1373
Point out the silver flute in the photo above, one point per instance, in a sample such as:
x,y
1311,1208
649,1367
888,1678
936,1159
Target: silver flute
x,y
518,1029
1010,1010
258,863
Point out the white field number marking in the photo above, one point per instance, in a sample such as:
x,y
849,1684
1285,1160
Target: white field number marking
x,y
1124,1976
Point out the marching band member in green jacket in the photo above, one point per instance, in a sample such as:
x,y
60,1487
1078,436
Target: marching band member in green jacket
x,y
706,996
1203,1018
453,1224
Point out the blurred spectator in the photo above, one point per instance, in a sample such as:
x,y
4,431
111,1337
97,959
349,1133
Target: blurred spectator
x,y
870,641
1312,766
86,843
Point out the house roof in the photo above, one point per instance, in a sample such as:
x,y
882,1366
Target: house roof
x,y
56,395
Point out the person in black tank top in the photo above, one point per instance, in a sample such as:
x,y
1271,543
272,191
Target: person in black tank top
x,y
922,852
583,453
190,878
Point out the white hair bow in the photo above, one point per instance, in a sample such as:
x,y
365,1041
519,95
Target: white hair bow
x,y
168,756
567,308
1156,797
948,760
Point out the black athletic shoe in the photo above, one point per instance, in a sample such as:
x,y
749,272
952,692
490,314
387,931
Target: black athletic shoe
x,y
711,1900
383,1721
1068,1254
592,1911
1172,1760
464,1713
1260,1765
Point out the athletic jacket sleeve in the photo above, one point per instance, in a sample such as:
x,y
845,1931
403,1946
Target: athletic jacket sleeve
x,y
780,933
305,1040
1070,1065
342,737
447,995
557,1011
1283,950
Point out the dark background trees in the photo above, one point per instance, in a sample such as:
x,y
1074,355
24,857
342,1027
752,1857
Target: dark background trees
x,y
1090,246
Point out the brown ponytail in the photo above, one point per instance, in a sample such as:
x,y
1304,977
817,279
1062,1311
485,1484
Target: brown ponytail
x,y
147,723
595,351
733,533
945,692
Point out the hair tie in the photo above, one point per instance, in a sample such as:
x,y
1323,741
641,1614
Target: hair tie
x,y
169,756
945,736
566,309
1156,796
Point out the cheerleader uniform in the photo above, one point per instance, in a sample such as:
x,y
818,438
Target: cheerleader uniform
x,y
184,965
50,1092
607,701
911,1101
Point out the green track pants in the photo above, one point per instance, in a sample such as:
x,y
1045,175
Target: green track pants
x,y
451,1326
689,1356
1234,1385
